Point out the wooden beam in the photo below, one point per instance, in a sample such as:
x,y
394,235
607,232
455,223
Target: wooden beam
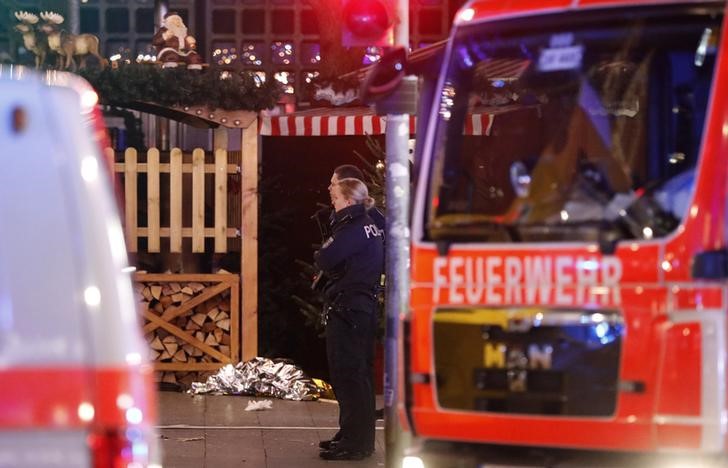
x,y
249,254
221,213
173,312
186,168
130,198
175,200
234,324
188,366
185,277
153,200
198,117
186,232
225,118
155,319
198,200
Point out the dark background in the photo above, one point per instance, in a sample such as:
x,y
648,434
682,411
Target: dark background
x,y
295,177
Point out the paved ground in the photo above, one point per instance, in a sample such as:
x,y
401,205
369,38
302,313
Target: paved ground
x,y
216,432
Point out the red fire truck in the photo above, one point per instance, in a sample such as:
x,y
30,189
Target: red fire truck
x,y
569,261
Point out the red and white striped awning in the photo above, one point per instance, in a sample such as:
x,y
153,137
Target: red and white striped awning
x,y
350,121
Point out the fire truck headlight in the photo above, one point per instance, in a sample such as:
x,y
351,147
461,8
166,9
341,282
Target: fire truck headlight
x,y
412,462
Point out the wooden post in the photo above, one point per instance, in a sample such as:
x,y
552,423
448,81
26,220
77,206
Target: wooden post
x,y
175,201
221,177
249,255
153,200
198,200
234,322
220,138
130,194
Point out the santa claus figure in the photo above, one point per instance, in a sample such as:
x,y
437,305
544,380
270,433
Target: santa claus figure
x,y
174,45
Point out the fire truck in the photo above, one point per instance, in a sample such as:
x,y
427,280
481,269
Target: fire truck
x,y
569,261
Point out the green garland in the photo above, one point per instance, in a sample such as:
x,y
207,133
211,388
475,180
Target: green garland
x,y
182,87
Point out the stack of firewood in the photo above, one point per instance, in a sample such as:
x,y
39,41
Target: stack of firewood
x,y
207,322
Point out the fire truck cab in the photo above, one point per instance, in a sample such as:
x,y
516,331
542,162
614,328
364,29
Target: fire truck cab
x,y
569,268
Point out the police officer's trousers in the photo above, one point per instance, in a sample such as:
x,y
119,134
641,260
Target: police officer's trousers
x,y
350,336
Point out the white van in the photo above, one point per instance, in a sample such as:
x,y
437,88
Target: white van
x,y
75,386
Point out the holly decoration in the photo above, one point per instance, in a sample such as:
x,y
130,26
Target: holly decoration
x,y
210,87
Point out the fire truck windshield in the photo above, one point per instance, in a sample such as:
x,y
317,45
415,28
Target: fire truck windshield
x,y
564,127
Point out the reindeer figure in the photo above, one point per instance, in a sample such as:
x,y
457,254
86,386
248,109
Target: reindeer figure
x,y
54,34
31,40
69,45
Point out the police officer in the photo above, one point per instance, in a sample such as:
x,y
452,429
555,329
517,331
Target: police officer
x,y
353,260
324,215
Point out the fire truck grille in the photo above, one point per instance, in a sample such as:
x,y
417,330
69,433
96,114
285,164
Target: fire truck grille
x,y
528,361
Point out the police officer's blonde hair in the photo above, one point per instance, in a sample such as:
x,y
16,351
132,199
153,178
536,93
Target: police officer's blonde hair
x,y
356,191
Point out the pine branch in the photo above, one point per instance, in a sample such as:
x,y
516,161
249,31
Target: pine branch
x,y
168,87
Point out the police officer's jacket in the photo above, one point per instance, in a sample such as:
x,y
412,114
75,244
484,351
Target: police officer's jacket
x,y
353,259
326,216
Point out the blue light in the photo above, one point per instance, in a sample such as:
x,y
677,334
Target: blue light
x,y
465,57
601,330
498,83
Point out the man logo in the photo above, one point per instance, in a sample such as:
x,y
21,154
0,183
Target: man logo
x,y
497,355
517,361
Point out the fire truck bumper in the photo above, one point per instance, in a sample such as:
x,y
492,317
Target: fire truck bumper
x,y
431,453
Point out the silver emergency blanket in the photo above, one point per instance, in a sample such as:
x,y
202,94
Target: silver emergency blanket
x,y
260,377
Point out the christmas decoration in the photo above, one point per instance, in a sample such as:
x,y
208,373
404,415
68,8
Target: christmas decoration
x,y
332,91
174,45
178,87
31,40
328,94
68,45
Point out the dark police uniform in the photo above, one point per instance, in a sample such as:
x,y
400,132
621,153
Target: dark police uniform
x,y
353,260
324,217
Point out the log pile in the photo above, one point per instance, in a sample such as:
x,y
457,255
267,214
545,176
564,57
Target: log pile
x,y
196,334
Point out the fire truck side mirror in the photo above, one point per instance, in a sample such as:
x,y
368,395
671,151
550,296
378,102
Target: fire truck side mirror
x,y
386,86
384,77
712,264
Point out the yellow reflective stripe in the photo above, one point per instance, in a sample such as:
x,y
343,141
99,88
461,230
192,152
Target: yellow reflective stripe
x,y
485,316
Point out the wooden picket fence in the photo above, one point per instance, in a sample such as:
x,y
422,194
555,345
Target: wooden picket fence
x,y
178,164
188,176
